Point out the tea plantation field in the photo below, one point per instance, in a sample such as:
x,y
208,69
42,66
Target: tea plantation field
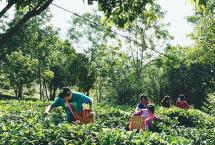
x,y
21,123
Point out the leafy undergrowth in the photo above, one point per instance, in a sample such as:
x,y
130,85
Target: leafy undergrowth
x,y
21,122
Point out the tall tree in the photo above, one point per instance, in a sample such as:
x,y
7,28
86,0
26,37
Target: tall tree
x,y
20,71
148,33
35,41
96,37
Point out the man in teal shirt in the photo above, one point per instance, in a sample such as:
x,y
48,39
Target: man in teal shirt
x,y
75,99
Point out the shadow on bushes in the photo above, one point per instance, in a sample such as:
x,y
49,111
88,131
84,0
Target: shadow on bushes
x,y
9,97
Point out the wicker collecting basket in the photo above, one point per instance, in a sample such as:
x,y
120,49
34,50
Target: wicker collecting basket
x,y
136,123
86,116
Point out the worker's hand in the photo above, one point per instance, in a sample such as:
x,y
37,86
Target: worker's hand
x,y
45,114
77,122
91,114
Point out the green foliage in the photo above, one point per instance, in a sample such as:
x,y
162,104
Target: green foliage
x,y
80,70
187,118
122,11
21,70
200,5
191,124
58,63
27,4
203,35
27,9
22,123
194,80
35,42
209,105
114,74
115,70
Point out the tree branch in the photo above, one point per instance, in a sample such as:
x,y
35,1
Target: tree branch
x,y
6,8
36,11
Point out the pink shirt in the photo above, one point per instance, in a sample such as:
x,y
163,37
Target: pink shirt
x,y
182,104
143,113
148,115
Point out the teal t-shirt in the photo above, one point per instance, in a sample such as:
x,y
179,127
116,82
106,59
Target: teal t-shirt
x,y
76,101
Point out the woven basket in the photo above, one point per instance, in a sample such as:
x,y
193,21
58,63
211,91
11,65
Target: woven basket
x,y
86,117
136,123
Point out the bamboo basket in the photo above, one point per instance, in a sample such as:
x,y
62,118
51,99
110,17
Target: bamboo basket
x,y
136,123
86,116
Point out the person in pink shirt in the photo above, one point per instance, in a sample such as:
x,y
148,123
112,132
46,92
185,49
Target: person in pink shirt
x,y
182,103
148,115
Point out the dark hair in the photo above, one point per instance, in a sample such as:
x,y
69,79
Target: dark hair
x,y
151,108
143,96
65,91
182,97
166,97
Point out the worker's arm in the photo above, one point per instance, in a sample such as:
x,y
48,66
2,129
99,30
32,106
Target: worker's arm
x,y
56,103
138,113
137,109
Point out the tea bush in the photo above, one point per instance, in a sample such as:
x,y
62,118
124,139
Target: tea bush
x,y
21,123
188,118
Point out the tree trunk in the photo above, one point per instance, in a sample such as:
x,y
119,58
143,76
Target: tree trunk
x,y
97,96
41,89
16,93
20,92
50,92
100,89
36,11
54,92
6,8
96,87
41,93
46,90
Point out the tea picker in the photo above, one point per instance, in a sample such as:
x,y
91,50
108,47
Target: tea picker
x,y
72,103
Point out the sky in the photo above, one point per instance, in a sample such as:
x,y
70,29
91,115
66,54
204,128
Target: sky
x,y
177,11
